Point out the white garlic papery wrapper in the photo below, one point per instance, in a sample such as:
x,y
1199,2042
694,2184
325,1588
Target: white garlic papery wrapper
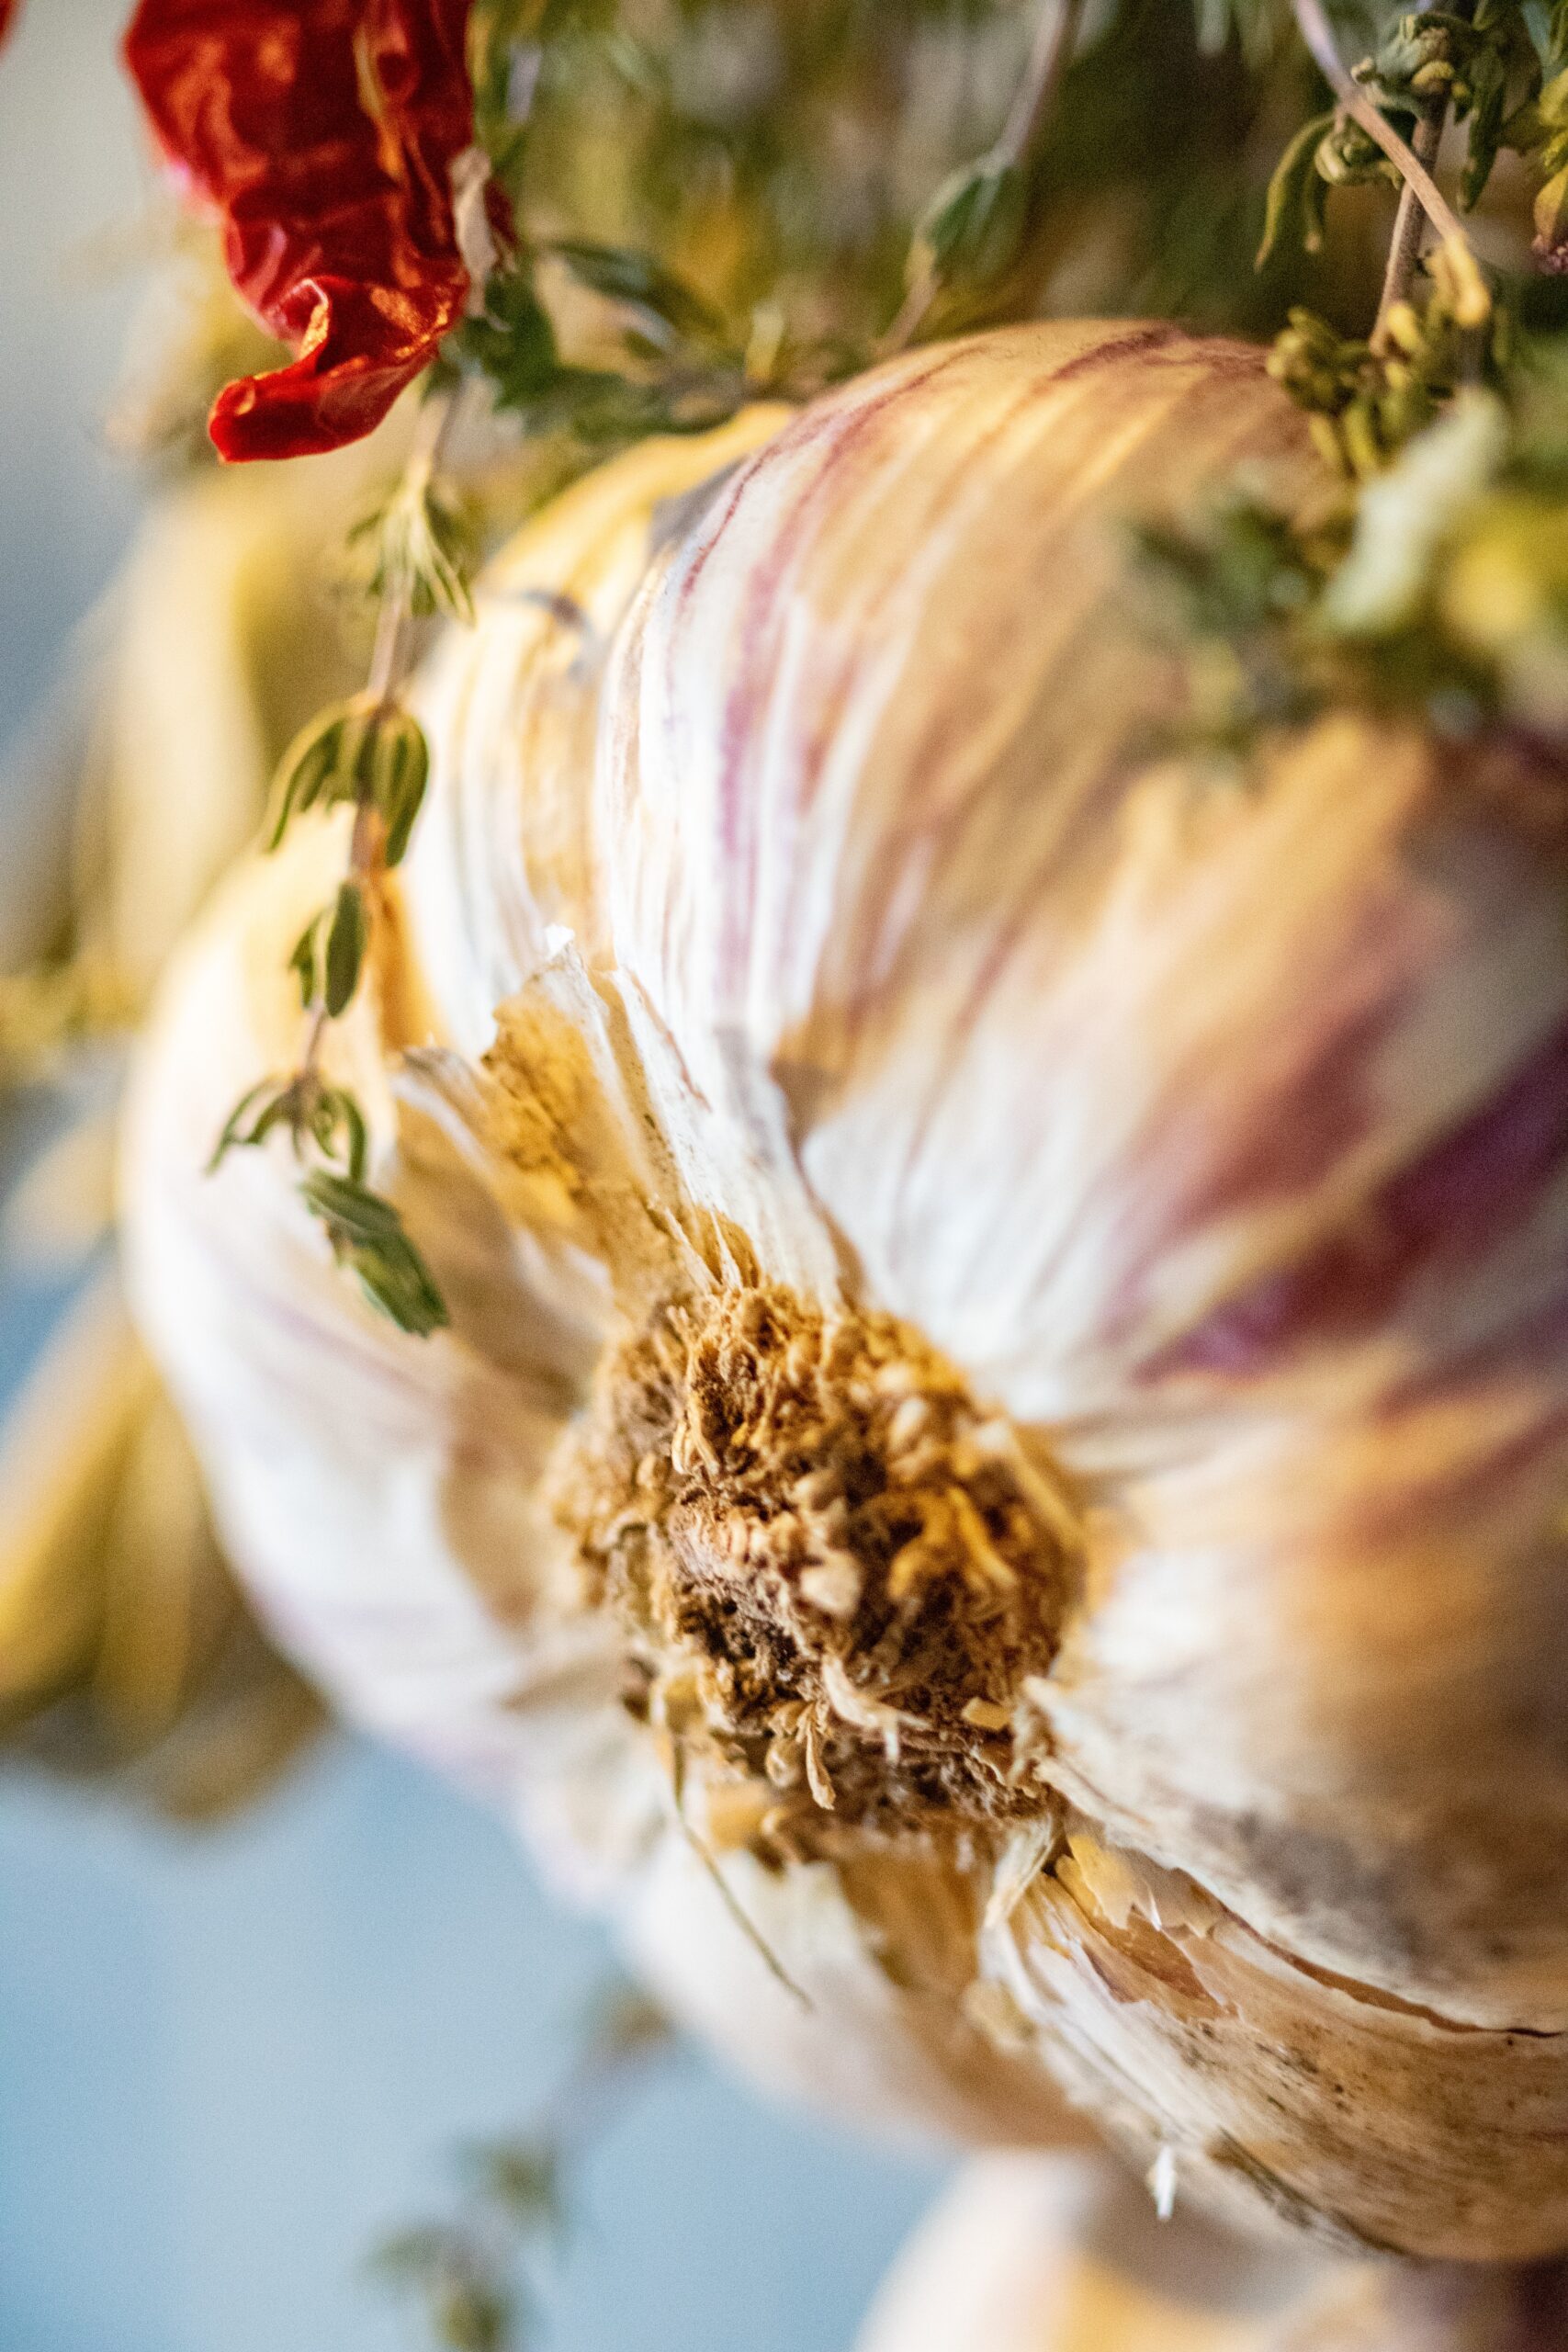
x,y
1008,1301
1068,2254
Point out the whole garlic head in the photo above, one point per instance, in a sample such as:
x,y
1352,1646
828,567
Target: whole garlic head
x,y
1006,1417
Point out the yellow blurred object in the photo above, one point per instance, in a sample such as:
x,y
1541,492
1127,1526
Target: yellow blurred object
x,y
124,1644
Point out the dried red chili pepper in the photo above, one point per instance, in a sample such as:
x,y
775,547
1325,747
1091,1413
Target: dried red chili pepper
x,y
7,15
324,134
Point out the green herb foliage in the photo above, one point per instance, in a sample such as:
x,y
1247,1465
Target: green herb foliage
x,y
480,2276
1436,589
1495,67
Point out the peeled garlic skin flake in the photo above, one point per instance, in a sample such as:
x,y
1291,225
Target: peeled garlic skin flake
x,y
1012,1320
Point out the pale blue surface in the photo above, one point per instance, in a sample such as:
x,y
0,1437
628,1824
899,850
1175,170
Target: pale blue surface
x,y
229,2062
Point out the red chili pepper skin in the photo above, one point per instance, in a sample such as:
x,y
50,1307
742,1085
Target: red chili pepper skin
x,y
8,9
323,135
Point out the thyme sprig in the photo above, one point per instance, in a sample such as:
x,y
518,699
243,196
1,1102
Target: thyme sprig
x,y
1380,105
1436,589
1434,584
478,2275
1499,68
371,754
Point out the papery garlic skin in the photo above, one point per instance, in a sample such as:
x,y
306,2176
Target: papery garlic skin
x,y
1271,1252
881,980
1265,2090
378,1496
503,859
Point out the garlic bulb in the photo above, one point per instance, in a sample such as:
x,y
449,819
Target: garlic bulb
x,y
1009,1311
1066,2254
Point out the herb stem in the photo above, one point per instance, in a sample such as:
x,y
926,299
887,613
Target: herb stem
x,y
1409,228
1318,35
432,434
432,431
1410,220
1055,38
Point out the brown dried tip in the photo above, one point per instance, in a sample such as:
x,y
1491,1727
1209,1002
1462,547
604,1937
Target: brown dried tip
x,y
836,1571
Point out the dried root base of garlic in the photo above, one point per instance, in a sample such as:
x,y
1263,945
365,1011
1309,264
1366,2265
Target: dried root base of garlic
x,y
836,1571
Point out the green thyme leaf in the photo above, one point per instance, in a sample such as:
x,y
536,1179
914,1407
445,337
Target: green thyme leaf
x,y
398,773
643,283
523,2179
305,961
973,228
330,951
252,1119
307,767
1297,193
368,1236
338,1130
344,951
474,2314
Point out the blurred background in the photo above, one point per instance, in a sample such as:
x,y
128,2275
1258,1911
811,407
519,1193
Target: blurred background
x,y
234,2059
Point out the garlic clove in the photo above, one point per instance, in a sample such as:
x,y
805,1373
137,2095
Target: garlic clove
x,y
1278,2098
504,862
1066,2254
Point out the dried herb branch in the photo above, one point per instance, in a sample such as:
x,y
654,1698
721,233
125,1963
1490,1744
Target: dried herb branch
x,y
479,2275
1451,441
1411,219
1318,35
